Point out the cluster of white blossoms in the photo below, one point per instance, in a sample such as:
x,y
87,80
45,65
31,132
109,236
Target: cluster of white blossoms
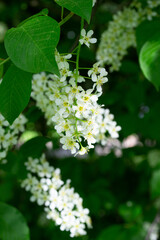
x,y
60,201
120,34
9,134
78,118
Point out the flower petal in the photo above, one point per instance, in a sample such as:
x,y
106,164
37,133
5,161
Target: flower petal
x,y
83,32
81,41
90,33
93,40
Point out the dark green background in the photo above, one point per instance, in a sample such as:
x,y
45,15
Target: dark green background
x,y
122,193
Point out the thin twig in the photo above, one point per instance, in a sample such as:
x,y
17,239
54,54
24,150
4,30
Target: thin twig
x,y
66,19
4,61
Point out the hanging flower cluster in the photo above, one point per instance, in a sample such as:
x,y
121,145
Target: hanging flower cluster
x,y
120,34
78,118
9,134
61,203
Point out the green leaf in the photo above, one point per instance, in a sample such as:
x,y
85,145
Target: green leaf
x,y
119,232
149,59
15,160
130,212
6,190
15,91
153,158
111,233
1,69
15,165
12,224
31,46
148,47
34,147
145,31
155,184
3,53
82,8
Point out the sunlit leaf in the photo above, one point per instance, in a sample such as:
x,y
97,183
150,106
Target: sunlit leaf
x,y
31,46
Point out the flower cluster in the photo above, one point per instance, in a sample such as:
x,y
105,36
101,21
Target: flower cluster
x,y
9,134
78,118
120,34
60,201
153,3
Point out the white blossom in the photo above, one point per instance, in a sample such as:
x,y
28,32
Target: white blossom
x,y
61,203
153,3
120,34
9,134
72,110
86,38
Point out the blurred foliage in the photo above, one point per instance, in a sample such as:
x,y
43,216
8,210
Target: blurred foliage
x,y
122,193
12,225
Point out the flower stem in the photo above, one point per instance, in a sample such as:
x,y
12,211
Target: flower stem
x,y
77,69
84,68
71,61
63,54
78,52
74,50
66,19
62,12
86,77
4,61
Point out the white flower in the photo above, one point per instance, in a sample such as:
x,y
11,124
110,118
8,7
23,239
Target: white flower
x,y
45,170
81,110
29,182
150,13
86,38
96,70
78,229
2,154
9,134
64,126
99,81
3,122
80,79
89,136
82,213
82,151
153,3
64,71
73,111
69,143
60,202
120,34
113,130
31,164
